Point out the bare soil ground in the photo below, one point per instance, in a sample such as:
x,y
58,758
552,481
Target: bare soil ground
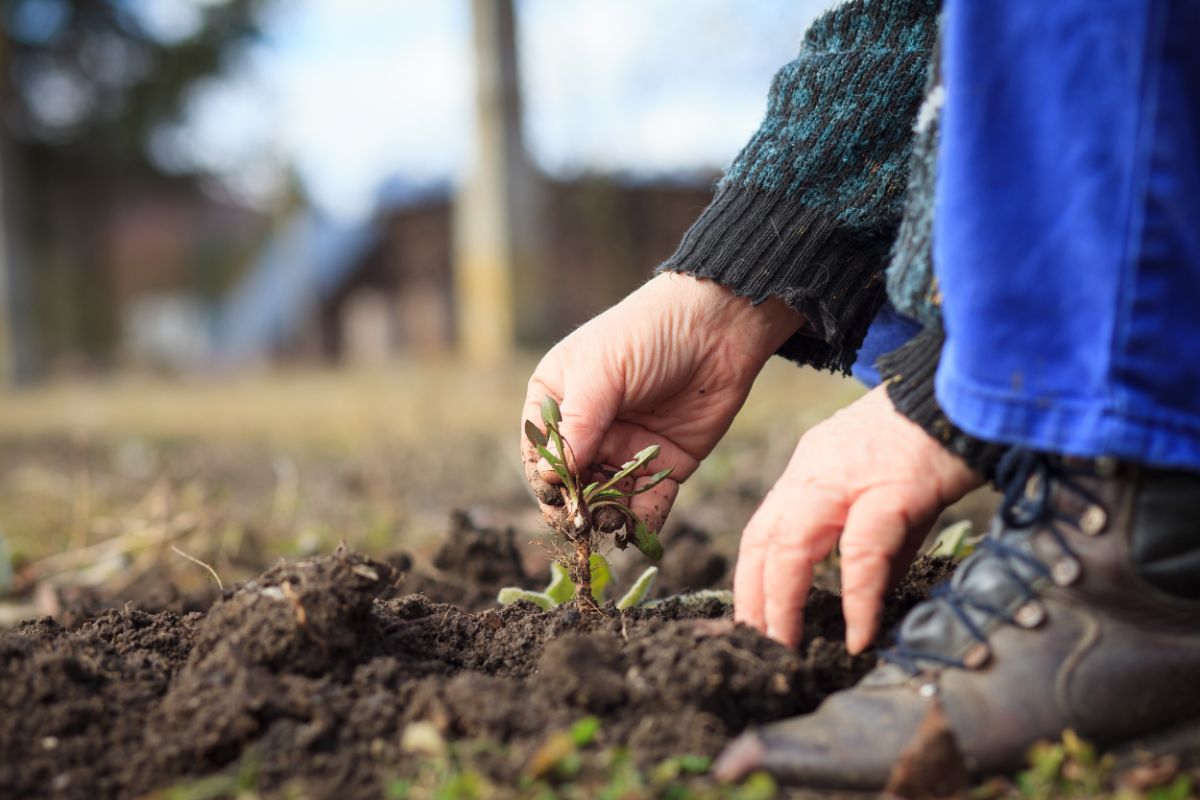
x,y
331,680
394,675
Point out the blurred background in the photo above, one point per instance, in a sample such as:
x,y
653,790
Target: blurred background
x,y
273,273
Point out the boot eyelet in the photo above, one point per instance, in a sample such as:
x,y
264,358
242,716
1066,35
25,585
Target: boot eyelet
x,y
1093,521
1106,466
1065,571
928,690
977,656
1030,615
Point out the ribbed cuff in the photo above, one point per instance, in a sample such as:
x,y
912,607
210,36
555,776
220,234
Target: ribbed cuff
x,y
766,244
909,373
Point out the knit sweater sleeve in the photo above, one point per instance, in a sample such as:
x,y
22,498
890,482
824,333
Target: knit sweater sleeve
x,y
808,210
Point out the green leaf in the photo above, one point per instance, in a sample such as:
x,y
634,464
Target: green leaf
x,y
565,474
956,541
647,454
643,457
560,469
549,455
670,771
551,413
601,576
533,434
647,542
591,487
560,589
641,587
512,594
584,731
607,494
655,480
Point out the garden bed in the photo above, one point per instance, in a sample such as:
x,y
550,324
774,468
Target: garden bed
x,y
328,678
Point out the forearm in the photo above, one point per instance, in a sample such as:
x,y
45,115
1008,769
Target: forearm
x,y
808,211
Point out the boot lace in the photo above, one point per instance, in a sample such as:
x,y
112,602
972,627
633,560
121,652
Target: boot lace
x,y
1018,472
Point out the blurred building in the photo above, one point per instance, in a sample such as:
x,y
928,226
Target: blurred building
x,y
172,254
370,292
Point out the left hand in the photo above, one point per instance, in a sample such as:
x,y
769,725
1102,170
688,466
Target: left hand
x,y
867,478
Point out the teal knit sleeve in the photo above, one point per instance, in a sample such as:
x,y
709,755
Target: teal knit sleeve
x,y
809,209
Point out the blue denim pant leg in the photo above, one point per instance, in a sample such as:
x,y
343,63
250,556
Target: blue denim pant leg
x,y
1067,243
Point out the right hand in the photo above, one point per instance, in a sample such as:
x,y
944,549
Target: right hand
x,y
670,364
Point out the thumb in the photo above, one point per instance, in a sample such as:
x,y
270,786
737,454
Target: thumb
x,y
588,410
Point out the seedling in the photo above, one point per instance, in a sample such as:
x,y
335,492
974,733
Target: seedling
x,y
956,541
582,502
561,589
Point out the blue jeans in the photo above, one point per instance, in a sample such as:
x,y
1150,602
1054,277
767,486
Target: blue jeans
x,y
1067,242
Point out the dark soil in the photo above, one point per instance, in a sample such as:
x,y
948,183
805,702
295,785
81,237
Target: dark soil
x,y
315,669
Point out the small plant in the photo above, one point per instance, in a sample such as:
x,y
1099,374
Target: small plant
x,y
1069,768
561,589
582,502
955,541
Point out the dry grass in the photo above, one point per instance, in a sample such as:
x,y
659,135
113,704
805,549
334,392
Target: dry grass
x,y
291,462
412,401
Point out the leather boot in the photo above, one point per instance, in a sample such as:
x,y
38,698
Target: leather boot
x,y
1081,610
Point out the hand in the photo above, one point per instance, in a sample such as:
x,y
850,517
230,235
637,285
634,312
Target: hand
x,y
867,478
671,364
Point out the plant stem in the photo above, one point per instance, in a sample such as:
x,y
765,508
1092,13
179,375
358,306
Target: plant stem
x,y
583,573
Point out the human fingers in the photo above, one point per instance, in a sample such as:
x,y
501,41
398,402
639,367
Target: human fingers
x,y
653,505
589,405
804,535
876,534
748,605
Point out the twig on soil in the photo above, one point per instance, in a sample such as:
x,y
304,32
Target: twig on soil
x,y
195,560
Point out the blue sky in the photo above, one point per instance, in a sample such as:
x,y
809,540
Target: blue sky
x,y
350,92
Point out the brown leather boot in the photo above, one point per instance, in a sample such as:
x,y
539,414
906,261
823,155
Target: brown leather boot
x,y
1080,610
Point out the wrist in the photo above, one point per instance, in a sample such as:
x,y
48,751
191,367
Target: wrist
x,y
716,308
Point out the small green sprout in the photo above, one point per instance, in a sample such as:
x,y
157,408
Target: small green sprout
x,y
956,541
561,589
1068,768
582,502
637,593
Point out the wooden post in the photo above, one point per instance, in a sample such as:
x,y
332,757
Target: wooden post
x,y
13,345
496,291
8,344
